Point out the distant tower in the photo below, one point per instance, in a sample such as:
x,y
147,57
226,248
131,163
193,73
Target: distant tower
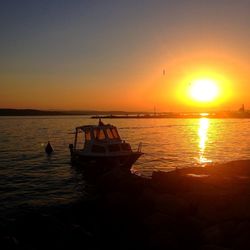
x,y
242,109
154,111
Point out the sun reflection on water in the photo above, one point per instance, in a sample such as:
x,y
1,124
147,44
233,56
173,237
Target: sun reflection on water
x,y
202,132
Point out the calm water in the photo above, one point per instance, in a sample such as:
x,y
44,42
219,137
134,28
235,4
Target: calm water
x,y
28,176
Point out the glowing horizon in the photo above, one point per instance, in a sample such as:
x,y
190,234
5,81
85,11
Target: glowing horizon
x,y
123,56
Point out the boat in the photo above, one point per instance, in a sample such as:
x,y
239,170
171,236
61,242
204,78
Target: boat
x,y
100,148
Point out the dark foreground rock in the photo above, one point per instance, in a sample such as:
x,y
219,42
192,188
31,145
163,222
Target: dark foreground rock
x,y
194,208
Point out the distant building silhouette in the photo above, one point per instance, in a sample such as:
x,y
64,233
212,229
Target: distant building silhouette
x,y
242,108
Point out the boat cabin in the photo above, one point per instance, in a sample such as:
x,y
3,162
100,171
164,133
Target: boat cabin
x,y
100,139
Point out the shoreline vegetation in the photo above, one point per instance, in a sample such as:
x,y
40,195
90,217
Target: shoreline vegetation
x,y
124,114
191,208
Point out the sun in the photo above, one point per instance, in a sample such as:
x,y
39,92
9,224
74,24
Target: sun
x,y
203,90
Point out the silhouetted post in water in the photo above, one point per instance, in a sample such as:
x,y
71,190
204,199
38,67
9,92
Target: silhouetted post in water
x,y
48,149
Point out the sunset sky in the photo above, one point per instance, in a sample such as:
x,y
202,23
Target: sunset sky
x,y
123,55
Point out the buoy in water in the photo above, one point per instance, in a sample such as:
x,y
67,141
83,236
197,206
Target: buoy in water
x,y
48,149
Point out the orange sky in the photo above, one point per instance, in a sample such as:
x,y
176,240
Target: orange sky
x,y
112,56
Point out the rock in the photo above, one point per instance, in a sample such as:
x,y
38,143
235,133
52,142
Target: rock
x,y
213,247
115,201
214,235
160,221
242,227
170,211
214,208
242,242
162,240
76,237
39,230
9,243
110,180
172,205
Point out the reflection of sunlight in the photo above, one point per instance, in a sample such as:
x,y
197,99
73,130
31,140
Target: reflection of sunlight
x,y
203,128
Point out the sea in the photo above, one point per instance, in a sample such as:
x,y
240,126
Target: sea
x,y
28,177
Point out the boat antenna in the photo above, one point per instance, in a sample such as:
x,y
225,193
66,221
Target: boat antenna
x,y
100,122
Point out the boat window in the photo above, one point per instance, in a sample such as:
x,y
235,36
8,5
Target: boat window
x,y
115,133
87,135
114,147
100,134
95,133
109,133
126,147
98,149
80,139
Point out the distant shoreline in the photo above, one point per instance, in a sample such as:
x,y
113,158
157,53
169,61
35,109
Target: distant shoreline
x,y
177,116
35,112
123,114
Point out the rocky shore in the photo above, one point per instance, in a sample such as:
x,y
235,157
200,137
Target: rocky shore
x,y
194,208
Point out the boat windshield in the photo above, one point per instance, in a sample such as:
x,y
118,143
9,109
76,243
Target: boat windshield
x,y
87,135
99,134
115,133
110,134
